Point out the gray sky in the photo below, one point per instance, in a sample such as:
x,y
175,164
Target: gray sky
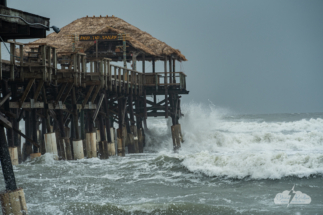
x,y
250,56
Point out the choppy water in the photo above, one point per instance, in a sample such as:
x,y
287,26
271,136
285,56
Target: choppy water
x,y
228,164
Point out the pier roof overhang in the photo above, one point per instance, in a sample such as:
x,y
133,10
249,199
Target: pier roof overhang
x,y
138,41
17,24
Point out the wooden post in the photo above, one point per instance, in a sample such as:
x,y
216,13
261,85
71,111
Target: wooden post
x,y
12,61
153,66
107,121
43,132
120,132
48,127
5,92
75,117
124,48
6,165
27,149
174,71
0,63
82,125
66,140
96,55
34,122
103,145
170,70
43,52
15,123
166,88
139,125
144,91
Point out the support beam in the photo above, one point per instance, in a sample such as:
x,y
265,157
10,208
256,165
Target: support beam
x,y
87,96
39,87
61,91
5,99
25,94
97,90
98,107
70,86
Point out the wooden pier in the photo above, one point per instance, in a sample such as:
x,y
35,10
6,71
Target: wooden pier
x,y
69,93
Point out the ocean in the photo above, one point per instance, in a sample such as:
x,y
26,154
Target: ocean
x,y
229,164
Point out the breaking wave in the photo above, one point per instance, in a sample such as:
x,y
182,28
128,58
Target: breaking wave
x,y
218,143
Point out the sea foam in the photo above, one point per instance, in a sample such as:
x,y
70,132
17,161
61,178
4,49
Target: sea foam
x,y
218,144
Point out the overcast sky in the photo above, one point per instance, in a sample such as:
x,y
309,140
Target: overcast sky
x,y
249,56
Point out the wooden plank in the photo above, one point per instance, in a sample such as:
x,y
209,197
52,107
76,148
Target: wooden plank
x,y
25,94
97,89
51,106
98,107
27,138
5,99
26,105
70,86
14,42
87,96
39,87
87,106
61,91
4,122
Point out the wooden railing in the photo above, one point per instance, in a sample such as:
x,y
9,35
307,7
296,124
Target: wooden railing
x,y
174,79
75,62
123,78
41,63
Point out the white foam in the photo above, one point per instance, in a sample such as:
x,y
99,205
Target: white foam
x,y
216,145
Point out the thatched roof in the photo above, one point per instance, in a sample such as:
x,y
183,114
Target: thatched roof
x,y
99,25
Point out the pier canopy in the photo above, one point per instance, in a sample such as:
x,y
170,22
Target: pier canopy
x,y
81,35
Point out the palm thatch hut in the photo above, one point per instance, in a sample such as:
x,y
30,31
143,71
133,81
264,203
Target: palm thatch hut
x,y
138,41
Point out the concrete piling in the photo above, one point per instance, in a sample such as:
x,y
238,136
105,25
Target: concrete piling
x,y
50,144
78,149
111,145
13,202
91,145
13,151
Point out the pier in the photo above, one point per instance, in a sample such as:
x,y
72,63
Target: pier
x,y
70,95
